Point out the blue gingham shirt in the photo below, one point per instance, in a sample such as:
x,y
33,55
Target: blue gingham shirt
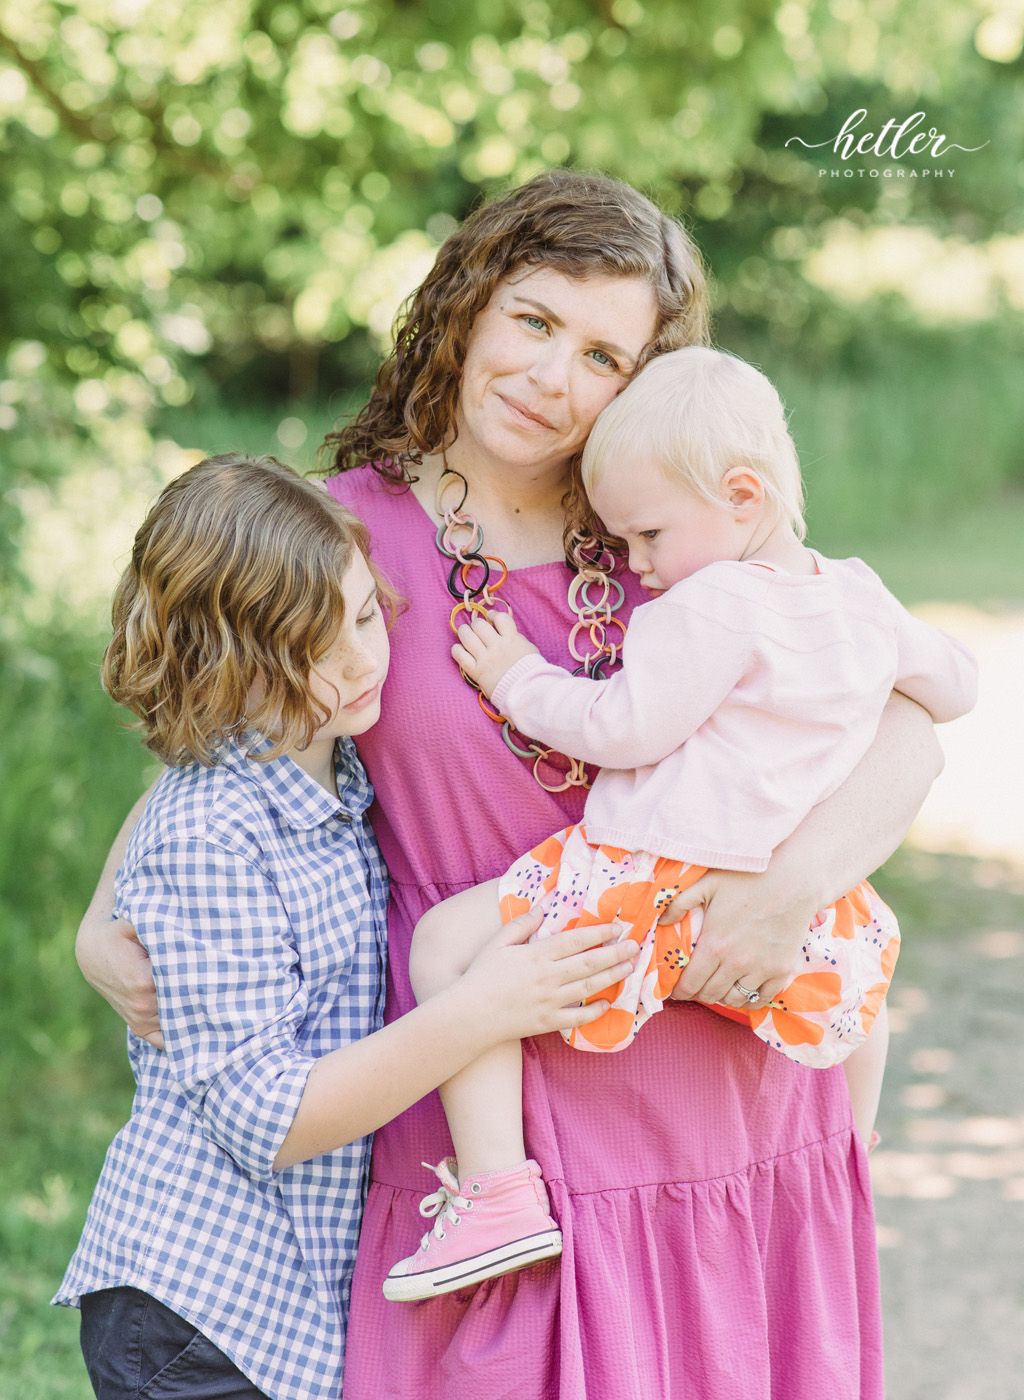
x,y
261,900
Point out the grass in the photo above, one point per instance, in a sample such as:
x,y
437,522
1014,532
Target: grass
x,y
911,464
974,556
63,1071
913,457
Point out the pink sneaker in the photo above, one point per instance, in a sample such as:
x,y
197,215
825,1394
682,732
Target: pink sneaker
x,y
491,1224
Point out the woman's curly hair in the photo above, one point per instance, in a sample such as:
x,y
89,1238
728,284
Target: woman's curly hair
x,y
575,223
235,576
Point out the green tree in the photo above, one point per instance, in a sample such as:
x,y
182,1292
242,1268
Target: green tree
x,y
239,194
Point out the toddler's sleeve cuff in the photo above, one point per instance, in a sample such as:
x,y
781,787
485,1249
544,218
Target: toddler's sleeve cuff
x,y
529,665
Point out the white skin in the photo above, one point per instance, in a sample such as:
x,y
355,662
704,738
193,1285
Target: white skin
x,y
671,531
561,350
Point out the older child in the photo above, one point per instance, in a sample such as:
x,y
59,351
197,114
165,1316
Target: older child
x,y
251,639
751,686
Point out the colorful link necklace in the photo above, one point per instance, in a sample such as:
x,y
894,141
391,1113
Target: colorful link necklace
x,y
475,580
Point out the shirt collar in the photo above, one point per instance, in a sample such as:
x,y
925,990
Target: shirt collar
x,y
296,797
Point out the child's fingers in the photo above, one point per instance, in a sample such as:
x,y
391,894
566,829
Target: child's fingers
x,y
597,939
519,929
503,623
484,628
469,639
598,982
574,1016
463,658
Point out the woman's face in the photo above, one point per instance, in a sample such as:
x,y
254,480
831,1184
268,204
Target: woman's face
x,y
545,355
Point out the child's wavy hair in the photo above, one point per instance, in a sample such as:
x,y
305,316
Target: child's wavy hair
x,y
698,412
573,222
235,576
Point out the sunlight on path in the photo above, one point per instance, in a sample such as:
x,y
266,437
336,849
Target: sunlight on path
x,y
976,807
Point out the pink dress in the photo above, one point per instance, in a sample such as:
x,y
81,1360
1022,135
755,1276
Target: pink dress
x,y
723,1251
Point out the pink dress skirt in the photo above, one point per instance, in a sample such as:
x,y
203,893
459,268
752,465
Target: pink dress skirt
x,y
713,1196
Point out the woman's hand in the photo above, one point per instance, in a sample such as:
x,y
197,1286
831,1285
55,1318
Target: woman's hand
x,y
114,962
755,925
747,937
487,648
111,958
524,989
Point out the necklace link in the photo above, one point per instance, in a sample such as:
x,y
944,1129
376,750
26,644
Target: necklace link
x,y
595,617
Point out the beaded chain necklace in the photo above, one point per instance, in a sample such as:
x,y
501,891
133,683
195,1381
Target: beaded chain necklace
x,y
593,598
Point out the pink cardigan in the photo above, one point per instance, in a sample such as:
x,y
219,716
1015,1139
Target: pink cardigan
x,y
746,696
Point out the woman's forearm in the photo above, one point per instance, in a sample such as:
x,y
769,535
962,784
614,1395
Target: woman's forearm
x,y
101,906
754,925
110,956
855,830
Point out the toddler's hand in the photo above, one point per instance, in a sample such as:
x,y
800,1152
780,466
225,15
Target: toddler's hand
x,y
487,648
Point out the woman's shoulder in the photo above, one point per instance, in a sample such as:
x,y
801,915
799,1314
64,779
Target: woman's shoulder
x,y
366,492
401,535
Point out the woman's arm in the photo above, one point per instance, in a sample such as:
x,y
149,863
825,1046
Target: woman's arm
x,y
755,925
111,958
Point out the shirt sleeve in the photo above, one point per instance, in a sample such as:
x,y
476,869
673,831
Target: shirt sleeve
x,y
934,669
230,990
682,656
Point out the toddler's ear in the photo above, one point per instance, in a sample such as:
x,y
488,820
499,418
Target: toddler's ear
x,y
744,490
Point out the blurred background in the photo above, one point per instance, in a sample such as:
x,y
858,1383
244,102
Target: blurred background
x,y
209,215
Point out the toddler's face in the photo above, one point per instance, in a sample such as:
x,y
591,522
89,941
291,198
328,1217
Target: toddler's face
x,y
671,531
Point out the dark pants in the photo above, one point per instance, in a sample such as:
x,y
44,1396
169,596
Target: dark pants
x,y
136,1349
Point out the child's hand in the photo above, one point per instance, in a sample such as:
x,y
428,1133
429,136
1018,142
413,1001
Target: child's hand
x,y
524,988
488,648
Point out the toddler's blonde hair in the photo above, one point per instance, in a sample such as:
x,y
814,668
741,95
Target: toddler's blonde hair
x,y
698,412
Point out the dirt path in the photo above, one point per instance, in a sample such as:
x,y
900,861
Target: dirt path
x,y
949,1176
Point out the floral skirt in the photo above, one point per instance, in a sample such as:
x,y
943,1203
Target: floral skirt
x,y
823,1014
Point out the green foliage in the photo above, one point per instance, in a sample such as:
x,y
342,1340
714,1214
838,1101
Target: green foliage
x,y
241,193
909,428
67,782
64,1079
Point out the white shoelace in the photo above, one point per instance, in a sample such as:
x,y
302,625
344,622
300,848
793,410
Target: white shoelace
x,y
445,1203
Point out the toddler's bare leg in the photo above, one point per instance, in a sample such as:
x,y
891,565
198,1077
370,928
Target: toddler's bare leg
x,y
864,1070
483,1102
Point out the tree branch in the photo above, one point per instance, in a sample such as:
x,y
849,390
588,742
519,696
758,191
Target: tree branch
x,y
79,126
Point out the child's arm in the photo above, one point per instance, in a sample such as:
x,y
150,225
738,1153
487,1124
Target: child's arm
x,y
233,1000
935,669
644,712
507,993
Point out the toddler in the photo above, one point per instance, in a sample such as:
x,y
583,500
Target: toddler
x,y
752,683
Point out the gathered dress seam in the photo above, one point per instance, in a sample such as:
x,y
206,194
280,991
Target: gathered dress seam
x,y
658,1185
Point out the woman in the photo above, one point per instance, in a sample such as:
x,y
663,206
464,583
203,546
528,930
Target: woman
x,y
730,1253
